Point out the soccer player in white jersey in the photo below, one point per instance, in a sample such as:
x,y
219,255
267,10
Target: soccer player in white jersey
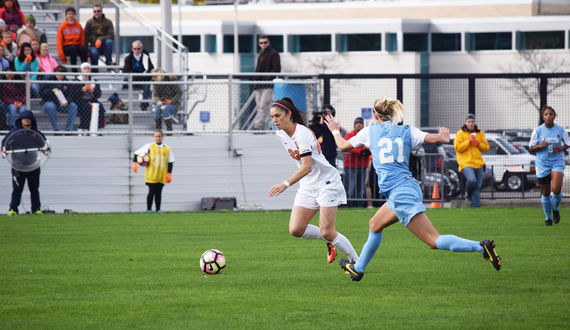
x,y
549,141
390,145
320,186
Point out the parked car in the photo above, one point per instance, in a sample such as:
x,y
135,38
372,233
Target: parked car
x,y
502,154
429,164
453,166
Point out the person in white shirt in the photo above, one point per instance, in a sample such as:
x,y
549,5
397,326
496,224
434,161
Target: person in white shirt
x,y
320,185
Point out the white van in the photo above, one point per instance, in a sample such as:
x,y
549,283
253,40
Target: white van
x,y
502,154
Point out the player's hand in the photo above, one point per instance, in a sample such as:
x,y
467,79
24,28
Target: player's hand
x,y
97,43
332,125
3,153
277,189
159,103
168,177
543,144
55,90
557,149
135,167
444,132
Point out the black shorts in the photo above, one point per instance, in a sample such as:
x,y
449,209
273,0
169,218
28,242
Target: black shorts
x,y
546,180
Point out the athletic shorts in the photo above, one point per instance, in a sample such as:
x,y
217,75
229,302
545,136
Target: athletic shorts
x,y
406,200
544,170
330,195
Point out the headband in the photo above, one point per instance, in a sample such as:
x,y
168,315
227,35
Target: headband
x,y
275,103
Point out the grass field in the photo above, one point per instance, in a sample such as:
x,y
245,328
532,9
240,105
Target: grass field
x,y
141,271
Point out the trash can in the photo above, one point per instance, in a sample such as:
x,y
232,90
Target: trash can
x,y
295,91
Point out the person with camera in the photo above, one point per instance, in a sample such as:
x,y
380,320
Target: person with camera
x,y
355,165
323,134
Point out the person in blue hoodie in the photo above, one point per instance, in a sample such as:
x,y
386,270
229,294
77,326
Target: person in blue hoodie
x,y
50,103
26,120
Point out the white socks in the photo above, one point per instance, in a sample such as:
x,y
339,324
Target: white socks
x,y
340,242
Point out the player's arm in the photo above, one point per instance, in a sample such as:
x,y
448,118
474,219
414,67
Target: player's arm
x,y
441,138
301,173
342,144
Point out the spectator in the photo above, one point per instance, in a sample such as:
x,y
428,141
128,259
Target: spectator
x,y
12,16
26,35
71,39
26,120
35,47
46,62
355,165
469,143
138,61
100,34
116,104
27,62
51,103
31,24
14,96
86,96
4,64
167,98
10,47
322,133
268,61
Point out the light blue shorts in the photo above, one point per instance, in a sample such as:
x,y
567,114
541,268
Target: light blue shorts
x,y
406,200
545,169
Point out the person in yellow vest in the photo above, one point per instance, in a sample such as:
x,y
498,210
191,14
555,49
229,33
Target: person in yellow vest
x,y
158,171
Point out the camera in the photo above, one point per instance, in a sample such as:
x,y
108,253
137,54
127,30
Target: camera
x,y
319,113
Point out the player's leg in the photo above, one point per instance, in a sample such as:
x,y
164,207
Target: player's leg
x,y
34,187
556,185
383,218
546,202
158,196
17,188
299,223
327,225
149,196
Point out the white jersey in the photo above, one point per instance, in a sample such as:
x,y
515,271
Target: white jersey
x,y
304,143
146,149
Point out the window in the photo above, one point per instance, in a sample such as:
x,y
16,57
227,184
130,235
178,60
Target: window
x,y
127,43
312,43
191,42
391,42
245,43
541,40
276,43
212,43
360,42
445,42
490,41
415,42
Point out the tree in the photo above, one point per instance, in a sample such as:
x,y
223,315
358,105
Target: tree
x,y
536,61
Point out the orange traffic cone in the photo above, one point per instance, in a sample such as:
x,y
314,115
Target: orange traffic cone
x,y
435,195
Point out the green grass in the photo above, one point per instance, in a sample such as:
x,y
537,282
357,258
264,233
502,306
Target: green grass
x,y
141,271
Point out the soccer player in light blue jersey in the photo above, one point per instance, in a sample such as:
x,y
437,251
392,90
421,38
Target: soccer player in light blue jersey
x,y
549,141
390,145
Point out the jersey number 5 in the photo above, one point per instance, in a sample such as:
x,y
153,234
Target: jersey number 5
x,y
386,156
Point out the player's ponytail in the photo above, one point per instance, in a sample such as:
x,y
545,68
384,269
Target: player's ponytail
x,y
389,109
287,105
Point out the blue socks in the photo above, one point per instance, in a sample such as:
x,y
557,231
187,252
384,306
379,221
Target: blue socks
x,y
368,251
556,200
457,244
547,205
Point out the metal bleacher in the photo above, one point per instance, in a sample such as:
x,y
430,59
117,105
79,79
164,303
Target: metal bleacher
x,y
50,19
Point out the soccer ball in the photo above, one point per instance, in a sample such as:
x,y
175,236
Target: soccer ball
x,y
143,159
212,262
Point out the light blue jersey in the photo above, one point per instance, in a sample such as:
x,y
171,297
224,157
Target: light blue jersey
x,y
546,159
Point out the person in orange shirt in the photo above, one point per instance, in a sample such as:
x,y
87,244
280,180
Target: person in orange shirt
x,y
71,39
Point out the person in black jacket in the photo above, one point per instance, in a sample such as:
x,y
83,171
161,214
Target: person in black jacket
x,y
138,61
26,120
268,61
88,94
323,134
51,104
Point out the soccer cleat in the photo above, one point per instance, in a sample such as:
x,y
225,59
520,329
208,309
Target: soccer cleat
x,y
158,211
38,212
548,223
12,212
331,252
149,211
490,254
349,267
556,216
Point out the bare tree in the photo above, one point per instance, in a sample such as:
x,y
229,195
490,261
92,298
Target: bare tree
x,y
536,61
